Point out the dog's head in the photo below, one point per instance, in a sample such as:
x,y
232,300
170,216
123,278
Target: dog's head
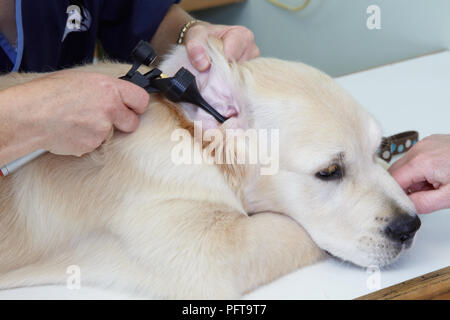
x,y
330,179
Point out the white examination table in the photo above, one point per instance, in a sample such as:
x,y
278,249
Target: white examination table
x,y
410,95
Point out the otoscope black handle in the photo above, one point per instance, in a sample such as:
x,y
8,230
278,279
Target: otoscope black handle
x,y
181,87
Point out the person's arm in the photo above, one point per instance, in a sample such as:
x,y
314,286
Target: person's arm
x,y
66,112
239,42
19,135
424,173
169,29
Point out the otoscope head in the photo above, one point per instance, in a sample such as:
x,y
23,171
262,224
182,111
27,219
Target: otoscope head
x,y
143,53
176,88
183,87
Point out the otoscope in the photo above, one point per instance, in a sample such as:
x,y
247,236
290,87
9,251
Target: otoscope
x,y
182,87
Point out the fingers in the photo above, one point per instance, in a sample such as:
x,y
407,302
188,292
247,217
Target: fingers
x,y
410,169
197,55
196,42
238,44
125,120
133,96
399,163
407,174
424,173
406,158
235,43
135,101
250,53
429,201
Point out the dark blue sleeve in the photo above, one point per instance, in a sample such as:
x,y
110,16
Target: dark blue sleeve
x,y
124,22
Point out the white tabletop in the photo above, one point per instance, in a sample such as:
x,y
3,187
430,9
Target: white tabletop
x,y
414,94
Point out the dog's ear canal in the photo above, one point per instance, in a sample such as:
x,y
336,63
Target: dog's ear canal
x,y
218,85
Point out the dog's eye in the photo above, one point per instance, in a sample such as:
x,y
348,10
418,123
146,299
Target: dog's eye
x,y
333,172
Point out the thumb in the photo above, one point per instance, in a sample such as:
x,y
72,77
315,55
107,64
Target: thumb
x,y
429,201
197,55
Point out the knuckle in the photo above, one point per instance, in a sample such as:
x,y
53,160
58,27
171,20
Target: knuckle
x,y
92,143
93,140
419,158
101,77
236,31
108,86
422,160
250,35
131,124
80,122
242,32
107,109
104,127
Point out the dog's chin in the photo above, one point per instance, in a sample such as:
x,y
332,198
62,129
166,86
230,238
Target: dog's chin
x,y
365,260
378,254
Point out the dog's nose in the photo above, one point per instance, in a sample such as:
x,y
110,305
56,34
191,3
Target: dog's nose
x,y
403,228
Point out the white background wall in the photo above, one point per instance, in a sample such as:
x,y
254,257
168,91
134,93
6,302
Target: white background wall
x,y
332,34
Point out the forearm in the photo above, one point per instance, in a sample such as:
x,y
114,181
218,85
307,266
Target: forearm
x,y
18,132
167,34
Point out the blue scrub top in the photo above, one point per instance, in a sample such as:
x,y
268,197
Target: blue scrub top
x,y
56,34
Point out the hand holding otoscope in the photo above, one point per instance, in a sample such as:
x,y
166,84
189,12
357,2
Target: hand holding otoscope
x,y
181,87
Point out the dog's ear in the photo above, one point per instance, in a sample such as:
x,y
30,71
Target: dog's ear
x,y
221,85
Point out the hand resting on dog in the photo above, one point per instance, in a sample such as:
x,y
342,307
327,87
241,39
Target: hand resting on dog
x,y
424,173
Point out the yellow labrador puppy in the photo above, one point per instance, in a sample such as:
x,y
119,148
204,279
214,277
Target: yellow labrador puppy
x,y
132,217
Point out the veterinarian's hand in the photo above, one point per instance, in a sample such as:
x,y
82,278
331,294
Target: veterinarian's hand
x,y
424,173
238,43
73,112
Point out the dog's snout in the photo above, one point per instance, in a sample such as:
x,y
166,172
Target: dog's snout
x,y
403,228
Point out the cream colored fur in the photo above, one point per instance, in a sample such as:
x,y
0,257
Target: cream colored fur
x,y
133,221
